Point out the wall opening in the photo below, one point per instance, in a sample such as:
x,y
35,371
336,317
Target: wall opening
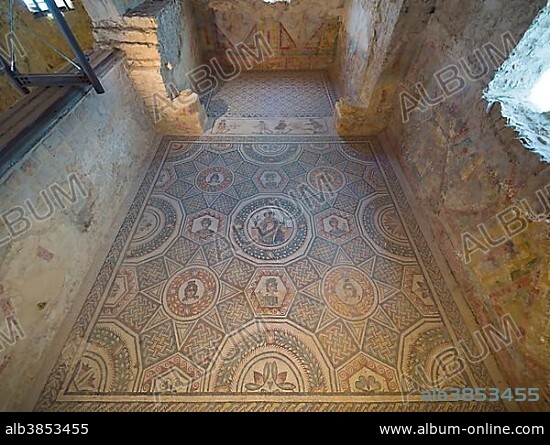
x,y
40,7
540,94
522,87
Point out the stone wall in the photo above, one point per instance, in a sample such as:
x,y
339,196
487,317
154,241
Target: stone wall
x,y
33,56
160,43
378,42
466,167
302,33
94,156
365,35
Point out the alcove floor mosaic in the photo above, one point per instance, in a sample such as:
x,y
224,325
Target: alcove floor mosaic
x,y
269,272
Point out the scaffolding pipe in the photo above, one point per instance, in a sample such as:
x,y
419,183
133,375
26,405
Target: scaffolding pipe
x,y
12,76
73,43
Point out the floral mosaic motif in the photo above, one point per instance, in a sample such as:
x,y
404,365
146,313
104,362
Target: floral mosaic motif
x,y
271,380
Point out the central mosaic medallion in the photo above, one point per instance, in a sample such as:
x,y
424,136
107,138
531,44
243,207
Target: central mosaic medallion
x,y
215,179
270,229
190,294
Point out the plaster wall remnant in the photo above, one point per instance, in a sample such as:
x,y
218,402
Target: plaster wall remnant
x,y
302,33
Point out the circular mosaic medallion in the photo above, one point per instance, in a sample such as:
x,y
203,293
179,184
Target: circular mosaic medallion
x,y
270,149
382,225
148,225
326,179
426,351
166,177
350,293
156,226
215,179
270,229
271,152
190,294
179,151
391,226
362,152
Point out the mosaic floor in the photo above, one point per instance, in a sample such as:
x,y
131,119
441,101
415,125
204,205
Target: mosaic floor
x,y
268,272
302,94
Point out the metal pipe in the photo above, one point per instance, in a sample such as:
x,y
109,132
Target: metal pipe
x,y
37,6
12,36
73,43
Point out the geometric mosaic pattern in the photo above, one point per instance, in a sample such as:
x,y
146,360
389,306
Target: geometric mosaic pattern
x,y
280,265
260,94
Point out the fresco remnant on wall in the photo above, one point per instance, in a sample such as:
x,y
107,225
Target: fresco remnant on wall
x,y
303,34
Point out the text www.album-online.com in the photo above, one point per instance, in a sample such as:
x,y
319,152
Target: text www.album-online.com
x,y
487,429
